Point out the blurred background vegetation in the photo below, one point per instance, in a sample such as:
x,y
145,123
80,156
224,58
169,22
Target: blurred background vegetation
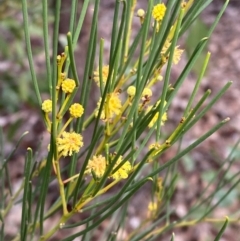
x,y
16,89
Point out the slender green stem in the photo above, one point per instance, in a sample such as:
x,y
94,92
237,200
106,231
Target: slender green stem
x,y
29,51
46,42
25,207
222,230
72,60
57,8
73,15
88,121
61,187
101,83
196,87
167,75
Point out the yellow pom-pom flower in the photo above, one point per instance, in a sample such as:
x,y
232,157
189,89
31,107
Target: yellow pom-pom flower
x,y
105,70
140,13
159,78
122,172
112,106
155,117
76,110
47,106
97,165
68,85
159,11
131,90
147,92
68,143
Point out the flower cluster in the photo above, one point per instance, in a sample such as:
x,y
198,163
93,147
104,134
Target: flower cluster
x,y
98,164
67,142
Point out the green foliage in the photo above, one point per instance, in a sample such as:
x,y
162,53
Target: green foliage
x,y
128,140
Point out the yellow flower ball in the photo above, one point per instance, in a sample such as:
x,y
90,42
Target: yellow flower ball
x,y
140,13
122,172
69,142
112,106
131,90
76,110
147,92
68,85
47,106
97,165
159,11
